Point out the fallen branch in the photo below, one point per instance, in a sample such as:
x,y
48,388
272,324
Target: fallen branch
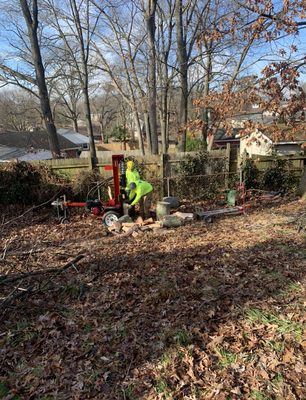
x,y
4,279
5,250
12,296
24,253
29,210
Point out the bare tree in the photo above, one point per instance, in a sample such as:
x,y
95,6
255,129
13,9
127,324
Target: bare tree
x,y
188,23
19,110
66,95
165,72
149,9
75,25
119,56
106,110
253,24
31,42
31,19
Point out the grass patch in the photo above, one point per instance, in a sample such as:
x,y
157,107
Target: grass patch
x,y
256,395
226,358
129,393
277,380
122,331
38,371
161,388
199,393
73,291
183,338
4,390
166,359
292,288
273,345
284,326
88,327
20,332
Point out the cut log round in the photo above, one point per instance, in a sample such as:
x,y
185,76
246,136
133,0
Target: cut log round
x,y
162,209
174,201
171,221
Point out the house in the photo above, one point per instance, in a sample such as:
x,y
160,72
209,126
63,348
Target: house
x,y
263,143
26,146
78,139
13,153
221,138
254,114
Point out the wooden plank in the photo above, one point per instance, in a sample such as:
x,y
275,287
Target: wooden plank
x,y
219,211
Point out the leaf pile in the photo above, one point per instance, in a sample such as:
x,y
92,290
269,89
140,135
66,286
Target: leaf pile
x,y
211,311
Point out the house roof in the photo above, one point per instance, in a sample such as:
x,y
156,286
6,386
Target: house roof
x,y
221,134
74,137
36,156
287,136
37,140
13,153
254,116
9,153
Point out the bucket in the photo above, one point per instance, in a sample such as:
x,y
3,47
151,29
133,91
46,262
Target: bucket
x,y
231,198
162,209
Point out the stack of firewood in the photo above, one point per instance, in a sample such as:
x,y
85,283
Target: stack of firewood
x,y
133,228
139,226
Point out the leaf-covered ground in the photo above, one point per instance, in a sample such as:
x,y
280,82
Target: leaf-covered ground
x,y
205,311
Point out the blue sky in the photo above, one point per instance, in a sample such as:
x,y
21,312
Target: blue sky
x,y
265,51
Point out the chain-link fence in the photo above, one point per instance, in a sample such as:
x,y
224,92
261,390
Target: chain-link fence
x,y
201,187
197,176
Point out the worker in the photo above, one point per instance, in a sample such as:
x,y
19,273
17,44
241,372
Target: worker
x,y
141,192
131,174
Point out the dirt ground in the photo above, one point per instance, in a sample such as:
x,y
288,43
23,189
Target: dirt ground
x,y
203,311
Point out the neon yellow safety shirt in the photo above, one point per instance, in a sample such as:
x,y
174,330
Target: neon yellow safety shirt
x,y
131,176
142,189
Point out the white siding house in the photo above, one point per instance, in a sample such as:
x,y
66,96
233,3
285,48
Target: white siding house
x,y
258,143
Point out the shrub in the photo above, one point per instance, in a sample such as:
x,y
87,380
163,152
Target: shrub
x,y
25,183
84,185
251,175
279,177
194,144
201,176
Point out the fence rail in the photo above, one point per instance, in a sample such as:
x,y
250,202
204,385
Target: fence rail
x,y
164,171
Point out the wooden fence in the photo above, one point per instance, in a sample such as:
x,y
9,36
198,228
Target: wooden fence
x,y
158,169
163,170
296,163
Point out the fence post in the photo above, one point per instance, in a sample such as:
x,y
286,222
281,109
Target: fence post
x,y
227,165
90,165
163,173
302,186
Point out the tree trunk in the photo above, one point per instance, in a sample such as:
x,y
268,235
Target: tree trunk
x,y
101,131
140,138
163,127
150,21
302,186
32,26
92,146
75,125
147,129
183,68
84,79
205,115
164,108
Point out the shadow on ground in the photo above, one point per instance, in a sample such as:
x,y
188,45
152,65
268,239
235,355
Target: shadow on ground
x,y
95,333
